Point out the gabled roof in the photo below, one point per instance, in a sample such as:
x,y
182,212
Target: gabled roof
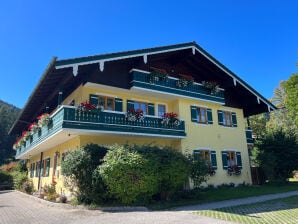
x,y
66,73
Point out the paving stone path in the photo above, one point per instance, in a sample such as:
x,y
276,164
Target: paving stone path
x,y
19,208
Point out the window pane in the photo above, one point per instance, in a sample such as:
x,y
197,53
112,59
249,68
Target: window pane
x,y
101,101
161,110
110,104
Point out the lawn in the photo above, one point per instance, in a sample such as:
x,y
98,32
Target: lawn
x,y
222,193
275,211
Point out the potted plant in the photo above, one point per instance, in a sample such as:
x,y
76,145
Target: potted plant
x,y
184,80
44,120
170,119
135,115
211,86
88,107
157,74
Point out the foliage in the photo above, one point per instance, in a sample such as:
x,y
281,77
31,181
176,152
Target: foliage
x,y
291,101
128,174
136,173
8,115
281,118
79,166
199,171
27,187
5,177
278,155
50,192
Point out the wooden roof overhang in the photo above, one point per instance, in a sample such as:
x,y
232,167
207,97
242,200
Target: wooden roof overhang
x,y
67,75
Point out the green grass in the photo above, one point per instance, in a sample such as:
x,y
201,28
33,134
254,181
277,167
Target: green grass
x,y
222,193
274,211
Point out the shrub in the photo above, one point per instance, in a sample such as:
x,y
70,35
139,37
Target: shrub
x,y
199,170
27,187
79,167
128,175
136,173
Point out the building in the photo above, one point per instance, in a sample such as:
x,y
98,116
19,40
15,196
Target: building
x,y
189,101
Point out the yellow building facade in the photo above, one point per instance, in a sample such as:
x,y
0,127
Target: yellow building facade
x,y
212,124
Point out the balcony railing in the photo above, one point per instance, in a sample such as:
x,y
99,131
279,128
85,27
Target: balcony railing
x,y
105,122
143,80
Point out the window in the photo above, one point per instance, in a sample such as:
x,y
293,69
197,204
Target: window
x,y
231,159
161,109
141,106
45,167
227,118
107,103
206,154
32,167
201,115
37,169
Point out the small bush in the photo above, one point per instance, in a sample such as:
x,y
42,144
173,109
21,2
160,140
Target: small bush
x,y
63,198
136,173
27,187
79,170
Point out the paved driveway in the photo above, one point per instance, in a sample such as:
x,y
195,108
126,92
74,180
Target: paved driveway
x,y
16,208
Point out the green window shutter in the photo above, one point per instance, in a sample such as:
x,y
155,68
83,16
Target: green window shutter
x,y
130,104
213,160
48,167
220,117
93,99
234,119
41,170
239,160
118,104
151,109
37,169
209,116
224,160
193,113
196,154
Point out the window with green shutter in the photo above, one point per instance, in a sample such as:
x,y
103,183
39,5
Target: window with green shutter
x,y
47,173
196,154
93,99
213,159
224,157
37,169
201,115
227,118
42,168
151,109
118,104
129,104
239,159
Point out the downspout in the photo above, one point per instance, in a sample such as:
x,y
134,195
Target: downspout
x,y
39,173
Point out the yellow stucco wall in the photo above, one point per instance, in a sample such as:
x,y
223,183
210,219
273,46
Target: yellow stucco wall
x,y
213,137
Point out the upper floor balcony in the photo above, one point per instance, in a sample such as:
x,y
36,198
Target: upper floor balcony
x,y
173,86
68,118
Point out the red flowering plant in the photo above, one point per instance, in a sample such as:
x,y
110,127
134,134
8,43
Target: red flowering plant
x,y
43,120
234,170
33,128
88,107
212,86
170,119
135,115
157,74
184,80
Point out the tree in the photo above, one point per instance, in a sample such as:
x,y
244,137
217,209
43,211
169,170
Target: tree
x,y
79,167
291,100
281,118
278,154
8,115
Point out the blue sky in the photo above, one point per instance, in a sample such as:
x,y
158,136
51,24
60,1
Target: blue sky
x,y
257,40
